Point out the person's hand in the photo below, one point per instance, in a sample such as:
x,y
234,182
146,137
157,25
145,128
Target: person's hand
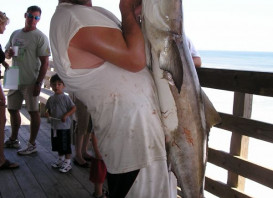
x,y
64,118
9,53
6,65
128,6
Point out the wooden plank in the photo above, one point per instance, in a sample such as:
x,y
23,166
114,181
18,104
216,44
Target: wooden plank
x,y
37,168
259,83
68,187
242,167
27,180
47,177
243,126
9,186
222,190
81,175
78,179
239,144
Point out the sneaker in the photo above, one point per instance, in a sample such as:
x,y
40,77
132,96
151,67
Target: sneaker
x,y
57,164
28,150
12,143
66,166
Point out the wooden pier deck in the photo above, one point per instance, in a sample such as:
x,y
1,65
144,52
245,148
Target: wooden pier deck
x,y
35,178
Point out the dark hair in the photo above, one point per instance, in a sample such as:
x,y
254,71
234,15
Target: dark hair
x,y
55,78
34,9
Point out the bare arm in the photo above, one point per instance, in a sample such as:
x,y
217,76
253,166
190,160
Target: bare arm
x,y
69,113
44,65
197,61
124,49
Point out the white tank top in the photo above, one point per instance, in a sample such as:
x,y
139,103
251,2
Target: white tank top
x,y
123,105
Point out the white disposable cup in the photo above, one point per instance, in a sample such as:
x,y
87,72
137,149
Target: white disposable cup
x,y
15,49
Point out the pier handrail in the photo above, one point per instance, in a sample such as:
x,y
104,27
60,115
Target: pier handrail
x,y
244,84
251,82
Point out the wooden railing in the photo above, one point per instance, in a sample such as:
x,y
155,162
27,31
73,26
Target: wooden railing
x,y
243,84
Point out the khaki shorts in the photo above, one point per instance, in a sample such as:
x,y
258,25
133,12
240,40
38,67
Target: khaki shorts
x,y
24,92
83,119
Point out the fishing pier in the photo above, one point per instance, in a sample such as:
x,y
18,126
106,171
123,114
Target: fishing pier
x,y
244,84
36,178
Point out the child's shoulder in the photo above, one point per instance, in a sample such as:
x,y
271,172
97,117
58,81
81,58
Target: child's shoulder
x,y
67,97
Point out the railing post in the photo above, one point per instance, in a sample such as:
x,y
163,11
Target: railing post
x,y
242,106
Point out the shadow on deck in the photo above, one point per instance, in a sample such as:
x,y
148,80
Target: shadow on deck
x,y
35,177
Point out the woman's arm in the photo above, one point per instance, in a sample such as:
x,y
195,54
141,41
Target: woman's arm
x,y
124,49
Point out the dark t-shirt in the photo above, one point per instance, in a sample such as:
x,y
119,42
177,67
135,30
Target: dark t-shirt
x,y
2,55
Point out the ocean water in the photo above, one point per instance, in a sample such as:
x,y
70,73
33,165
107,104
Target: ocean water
x,y
247,61
260,152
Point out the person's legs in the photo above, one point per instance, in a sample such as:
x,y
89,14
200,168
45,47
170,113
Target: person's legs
x,y
32,105
98,190
2,134
120,184
82,132
97,176
78,148
15,121
15,99
34,126
55,144
85,144
65,149
4,163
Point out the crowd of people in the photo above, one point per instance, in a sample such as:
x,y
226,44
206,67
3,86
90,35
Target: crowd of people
x,y
112,98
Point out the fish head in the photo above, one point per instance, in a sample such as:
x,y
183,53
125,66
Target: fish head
x,y
165,15
163,34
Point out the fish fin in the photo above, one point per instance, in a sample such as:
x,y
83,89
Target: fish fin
x,y
212,116
170,61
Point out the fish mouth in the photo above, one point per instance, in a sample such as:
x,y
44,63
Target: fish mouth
x,y
170,62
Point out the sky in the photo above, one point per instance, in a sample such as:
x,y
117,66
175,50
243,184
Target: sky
x,y
234,25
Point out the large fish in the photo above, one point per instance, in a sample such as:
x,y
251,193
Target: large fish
x,y
187,113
